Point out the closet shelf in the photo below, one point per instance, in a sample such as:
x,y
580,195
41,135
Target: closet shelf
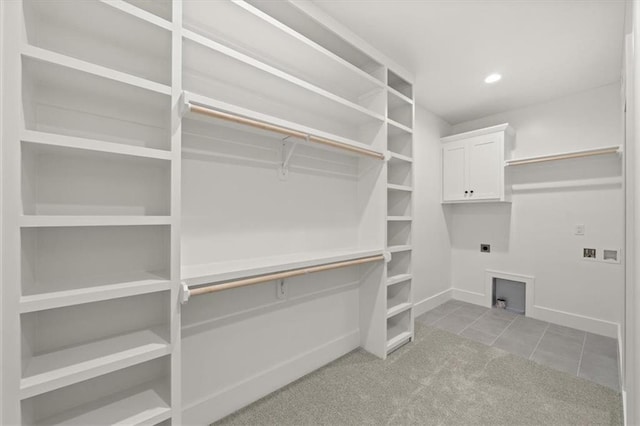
x,y
399,219
73,142
398,309
232,270
41,221
398,340
138,13
397,99
304,58
142,405
272,125
396,249
565,155
395,187
139,283
64,367
44,55
396,129
394,156
396,279
271,83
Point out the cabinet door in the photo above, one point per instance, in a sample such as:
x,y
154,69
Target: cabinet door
x,y
484,167
453,172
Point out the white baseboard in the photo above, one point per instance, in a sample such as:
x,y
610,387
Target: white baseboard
x,y
222,403
469,296
581,322
429,303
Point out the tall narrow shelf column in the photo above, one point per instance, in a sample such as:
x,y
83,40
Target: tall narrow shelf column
x,y
400,120
90,287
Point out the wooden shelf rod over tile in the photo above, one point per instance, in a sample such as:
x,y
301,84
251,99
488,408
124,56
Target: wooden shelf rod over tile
x,y
279,276
282,130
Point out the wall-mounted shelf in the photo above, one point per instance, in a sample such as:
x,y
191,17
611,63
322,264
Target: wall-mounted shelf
x,y
215,272
258,82
71,142
395,187
398,309
396,279
399,157
399,218
41,221
142,405
64,367
155,17
223,112
311,62
128,285
564,155
397,129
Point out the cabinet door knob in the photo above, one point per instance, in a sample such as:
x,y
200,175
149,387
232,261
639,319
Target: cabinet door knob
x,y
471,192
466,192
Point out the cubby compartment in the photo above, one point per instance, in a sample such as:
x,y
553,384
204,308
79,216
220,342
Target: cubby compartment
x,y
64,181
58,349
109,37
136,395
399,110
398,233
226,22
399,329
65,101
399,173
398,298
160,8
399,141
398,203
399,84
400,264
216,72
78,261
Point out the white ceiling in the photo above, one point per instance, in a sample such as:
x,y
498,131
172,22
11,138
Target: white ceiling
x,y
544,49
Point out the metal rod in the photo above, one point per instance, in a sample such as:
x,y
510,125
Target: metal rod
x,y
603,151
282,275
282,130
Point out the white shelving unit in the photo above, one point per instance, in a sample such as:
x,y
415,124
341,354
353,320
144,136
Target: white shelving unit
x,y
114,193
89,218
400,119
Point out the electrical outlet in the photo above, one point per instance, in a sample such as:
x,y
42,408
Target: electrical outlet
x,y
589,253
485,248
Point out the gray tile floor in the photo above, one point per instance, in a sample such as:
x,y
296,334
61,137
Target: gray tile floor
x,y
585,355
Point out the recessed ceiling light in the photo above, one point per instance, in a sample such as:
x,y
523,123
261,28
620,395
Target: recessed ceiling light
x,y
492,78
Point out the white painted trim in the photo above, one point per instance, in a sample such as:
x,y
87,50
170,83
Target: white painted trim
x,y
468,296
431,302
529,284
625,421
581,322
473,133
226,401
620,358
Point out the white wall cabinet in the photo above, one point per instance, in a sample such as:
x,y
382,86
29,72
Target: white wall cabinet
x,y
473,165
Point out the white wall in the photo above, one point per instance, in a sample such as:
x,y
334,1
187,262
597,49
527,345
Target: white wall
x,y
431,247
534,235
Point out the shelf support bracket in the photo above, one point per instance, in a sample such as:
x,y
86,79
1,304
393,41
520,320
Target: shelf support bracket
x,y
286,153
184,292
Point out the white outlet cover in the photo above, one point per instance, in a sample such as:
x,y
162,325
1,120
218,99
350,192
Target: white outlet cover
x,y
579,229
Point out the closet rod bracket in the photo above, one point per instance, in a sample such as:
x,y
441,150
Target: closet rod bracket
x,y
387,256
286,153
185,293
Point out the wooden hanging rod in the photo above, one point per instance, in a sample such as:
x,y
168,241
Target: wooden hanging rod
x,y
282,130
564,156
282,275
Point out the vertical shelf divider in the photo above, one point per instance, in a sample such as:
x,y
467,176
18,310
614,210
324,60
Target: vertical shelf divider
x,y
400,109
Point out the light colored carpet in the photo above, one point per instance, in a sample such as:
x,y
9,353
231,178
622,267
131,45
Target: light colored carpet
x,y
440,379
